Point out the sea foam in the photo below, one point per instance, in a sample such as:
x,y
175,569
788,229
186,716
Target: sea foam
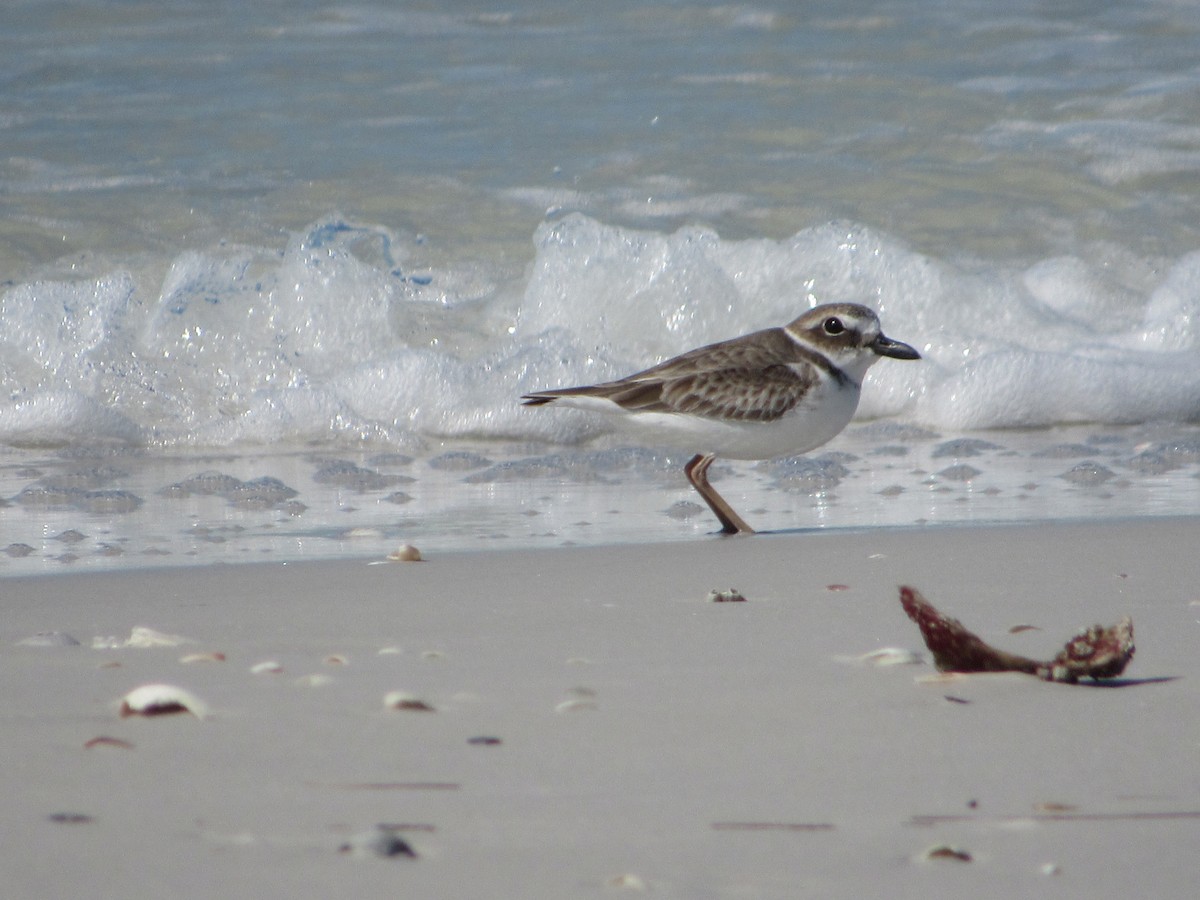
x,y
323,341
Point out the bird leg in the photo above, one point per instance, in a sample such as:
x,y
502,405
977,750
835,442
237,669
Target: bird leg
x,y
696,471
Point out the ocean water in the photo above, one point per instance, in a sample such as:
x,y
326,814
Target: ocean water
x,y
272,275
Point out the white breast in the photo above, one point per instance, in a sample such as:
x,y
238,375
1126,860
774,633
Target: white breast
x,y
822,415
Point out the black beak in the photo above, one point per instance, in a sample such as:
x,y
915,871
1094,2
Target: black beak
x,y
885,346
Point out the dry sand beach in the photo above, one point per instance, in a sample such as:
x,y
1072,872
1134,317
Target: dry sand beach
x,y
647,739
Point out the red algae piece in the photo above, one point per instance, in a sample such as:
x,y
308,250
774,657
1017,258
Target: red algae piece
x,y
954,648
1094,653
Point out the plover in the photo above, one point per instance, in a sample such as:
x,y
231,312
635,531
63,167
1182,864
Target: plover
x,y
771,393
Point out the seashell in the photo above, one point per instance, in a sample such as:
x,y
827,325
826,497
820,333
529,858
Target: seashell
x,y
837,588
202,658
730,596
942,678
384,841
891,656
335,659
362,532
405,701
106,741
141,638
484,740
1052,807
161,700
945,851
389,651
577,705
267,667
49,639
405,553
1051,869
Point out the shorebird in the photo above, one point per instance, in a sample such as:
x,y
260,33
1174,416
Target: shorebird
x,y
775,392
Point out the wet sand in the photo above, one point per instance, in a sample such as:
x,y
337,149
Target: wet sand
x,y
646,738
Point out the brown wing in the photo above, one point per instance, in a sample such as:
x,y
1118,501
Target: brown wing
x,y
746,379
743,395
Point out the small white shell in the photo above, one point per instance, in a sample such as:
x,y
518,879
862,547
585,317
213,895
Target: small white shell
x,y
161,699
405,553
266,667
104,740
140,638
362,532
892,656
569,706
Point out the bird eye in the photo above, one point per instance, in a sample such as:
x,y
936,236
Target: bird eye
x,y
833,325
